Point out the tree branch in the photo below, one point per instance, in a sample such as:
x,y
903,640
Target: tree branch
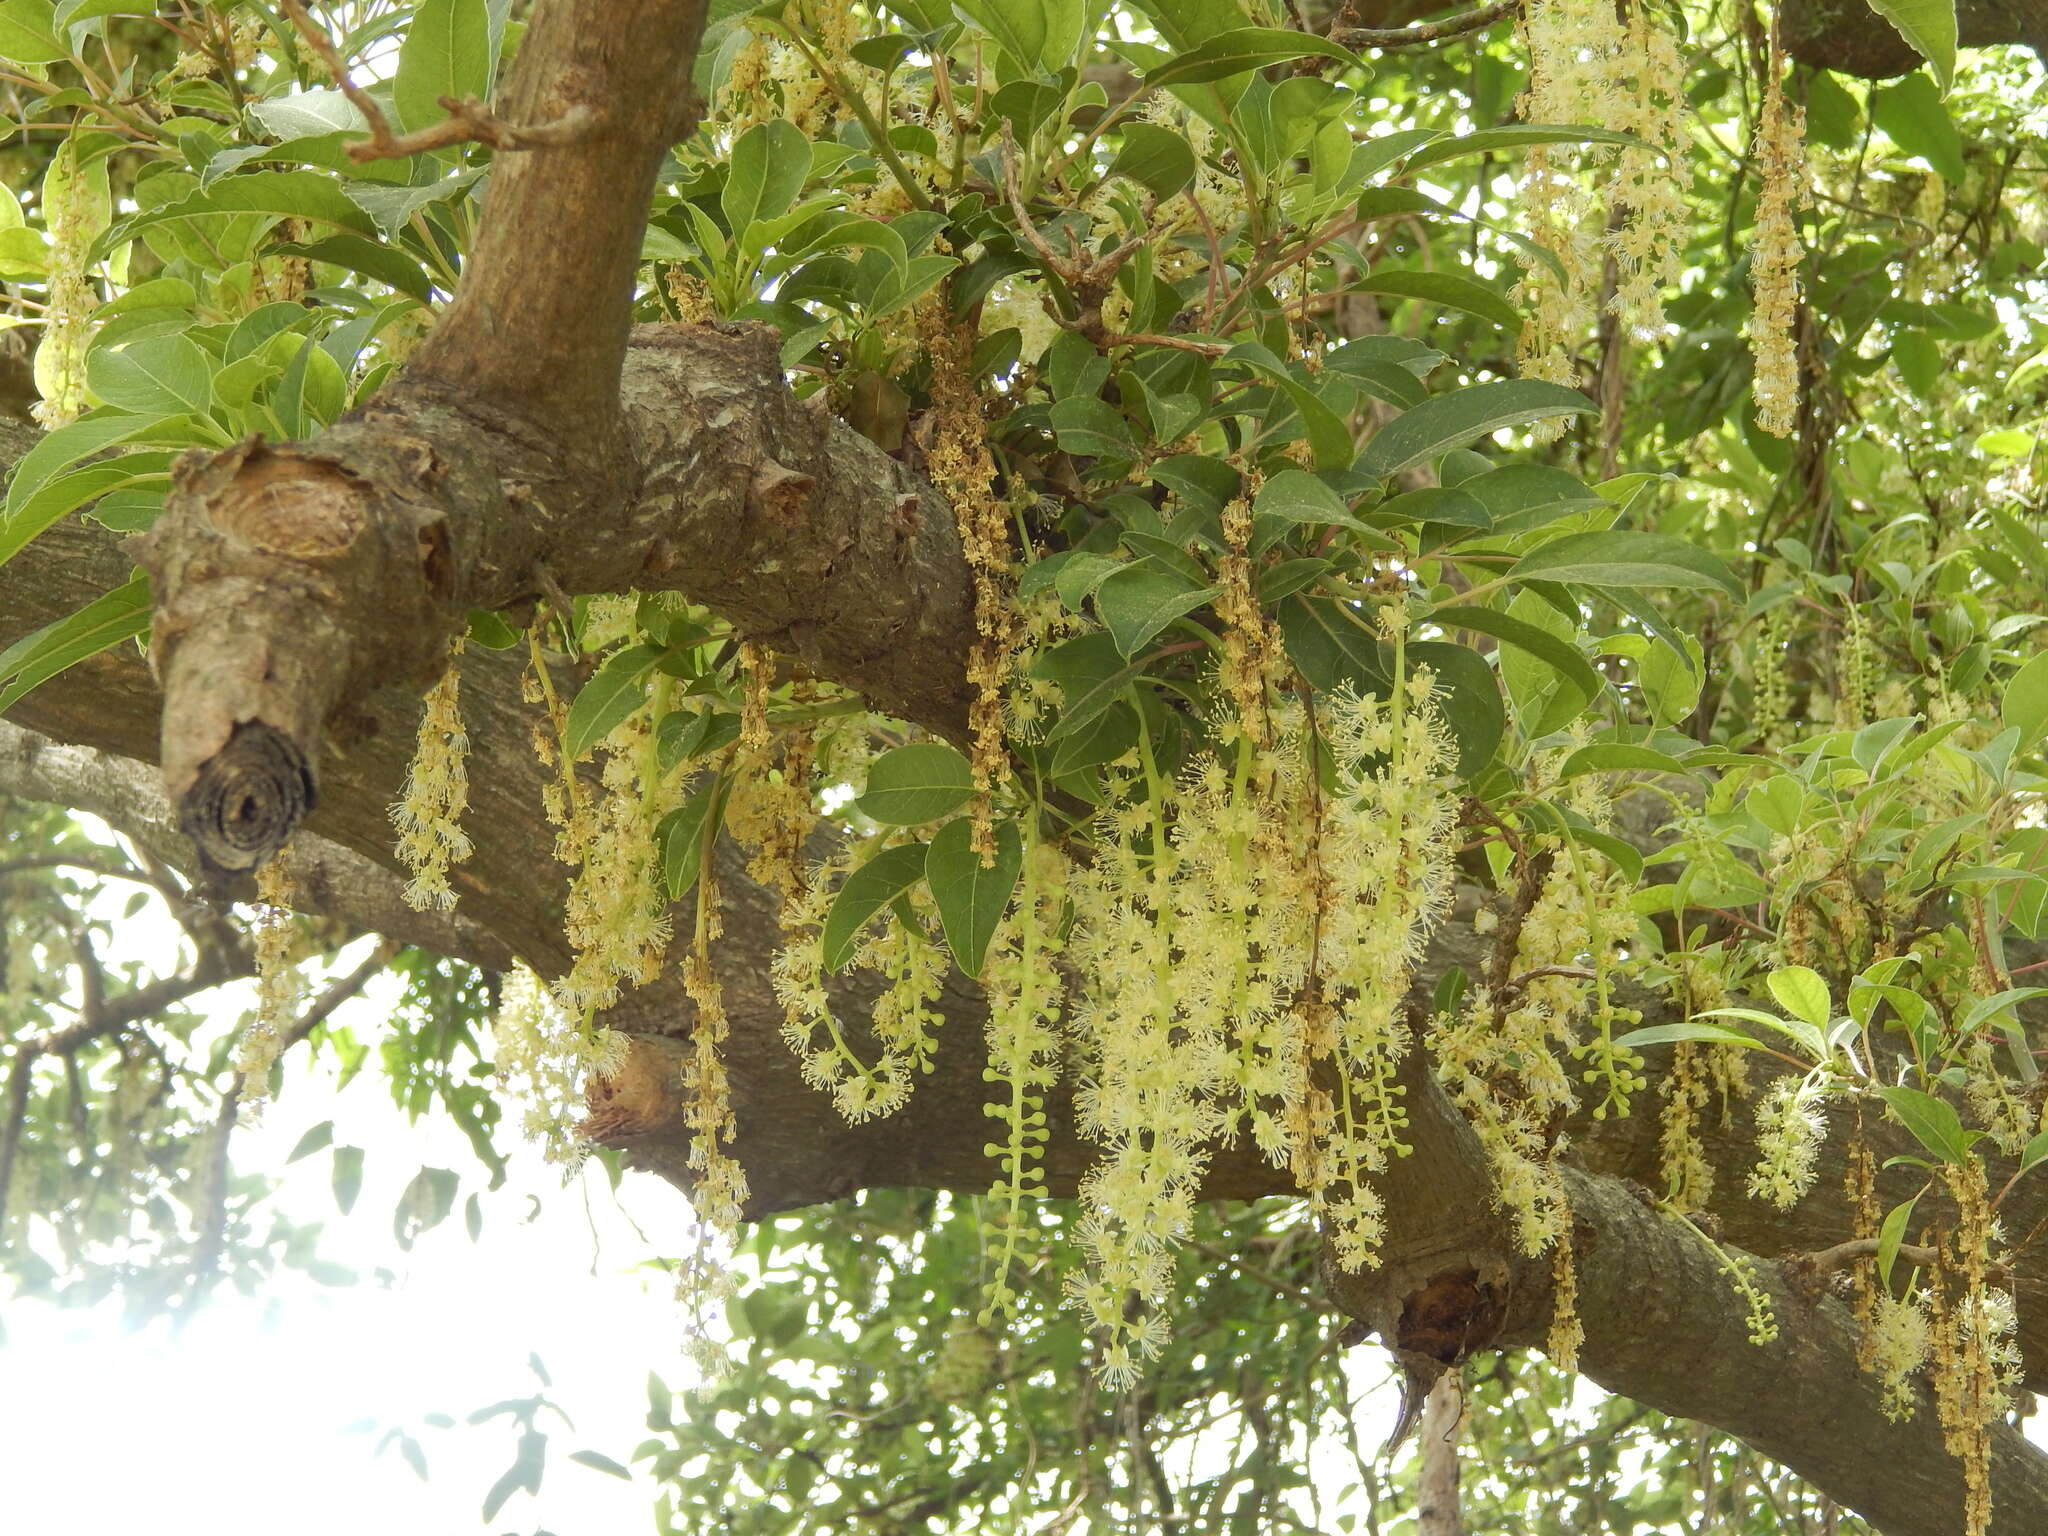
x,y
1425,32
206,1254
1850,38
469,121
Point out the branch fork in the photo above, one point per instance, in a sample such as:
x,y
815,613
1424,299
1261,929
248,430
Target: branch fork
x,y
469,120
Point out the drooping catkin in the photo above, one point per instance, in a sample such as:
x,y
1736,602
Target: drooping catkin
x,y
75,209
962,467
429,815
276,986
1780,153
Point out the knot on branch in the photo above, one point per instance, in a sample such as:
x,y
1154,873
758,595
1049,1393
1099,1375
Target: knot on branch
x,y
246,800
1452,1315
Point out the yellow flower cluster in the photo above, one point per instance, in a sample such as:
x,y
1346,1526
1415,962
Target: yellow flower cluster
x,y
960,465
1586,206
1977,1365
1780,151
429,815
707,1095
277,987
544,1056
616,916
74,199
1236,979
1789,1133
1025,992
902,1017
1899,1344
1503,1059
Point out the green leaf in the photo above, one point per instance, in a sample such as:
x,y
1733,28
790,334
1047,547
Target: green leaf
x,y
72,490
971,900
447,52
682,832
600,1462
1933,1122
867,891
1623,558
59,450
1160,161
1468,693
1911,112
1090,427
2006,443
1917,356
160,375
1801,1033
1328,648
1891,1236
1930,26
1690,1029
1447,289
1022,31
317,1139
683,735
348,1177
2024,707
1619,757
308,115
911,785
1299,497
614,691
1671,679
386,263
1453,420
1492,141
1553,650
392,208
1138,600
1801,993
764,174
102,623
425,1204
1090,678
280,194
28,33
1236,51
2035,1151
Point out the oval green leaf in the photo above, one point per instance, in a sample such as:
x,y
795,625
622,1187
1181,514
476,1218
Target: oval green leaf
x,y
1451,421
915,784
867,891
972,899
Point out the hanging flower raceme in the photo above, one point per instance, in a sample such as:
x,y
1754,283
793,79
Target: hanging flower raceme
x,y
429,815
1780,153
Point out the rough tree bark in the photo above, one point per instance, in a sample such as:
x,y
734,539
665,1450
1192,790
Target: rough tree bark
x,y
305,590
1846,36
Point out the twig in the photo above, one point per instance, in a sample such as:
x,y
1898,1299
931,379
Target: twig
x,y
213,1233
1427,32
469,120
1573,972
1817,1266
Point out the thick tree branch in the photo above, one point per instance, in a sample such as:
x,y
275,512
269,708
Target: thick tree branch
x,y
1843,35
1850,38
1426,32
332,880
1439,1202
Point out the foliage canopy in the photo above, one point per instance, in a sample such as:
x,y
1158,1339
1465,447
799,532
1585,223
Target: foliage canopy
x,y
1448,593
